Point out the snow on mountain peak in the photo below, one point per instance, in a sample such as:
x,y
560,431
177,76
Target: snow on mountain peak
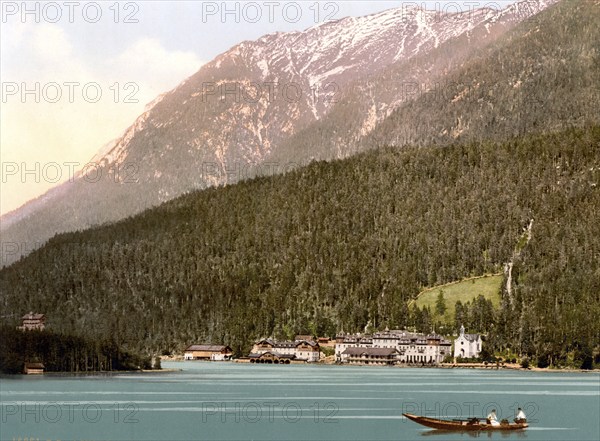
x,y
321,61
339,51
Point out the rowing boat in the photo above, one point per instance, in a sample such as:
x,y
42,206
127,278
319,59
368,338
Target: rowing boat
x,y
460,425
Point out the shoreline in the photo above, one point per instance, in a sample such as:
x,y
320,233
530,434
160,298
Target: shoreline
x,y
156,371
85,373
479,366
512,367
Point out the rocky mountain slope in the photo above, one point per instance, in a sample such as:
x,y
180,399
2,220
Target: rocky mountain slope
x,y
262,103
540,76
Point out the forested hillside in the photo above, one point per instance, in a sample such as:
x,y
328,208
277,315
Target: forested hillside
x,y
402,76
64,353
342,246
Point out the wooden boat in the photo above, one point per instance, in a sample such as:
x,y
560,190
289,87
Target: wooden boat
x,y
463,425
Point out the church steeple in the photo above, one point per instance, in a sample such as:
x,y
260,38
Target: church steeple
x,y
462,330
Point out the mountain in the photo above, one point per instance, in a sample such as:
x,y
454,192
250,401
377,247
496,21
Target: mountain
x,y
542,75
550,79
344,245
265,106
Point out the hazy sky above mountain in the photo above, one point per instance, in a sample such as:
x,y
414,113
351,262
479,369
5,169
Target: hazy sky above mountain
x,y
76,75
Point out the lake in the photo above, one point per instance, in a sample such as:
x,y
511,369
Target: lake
x,y
230,401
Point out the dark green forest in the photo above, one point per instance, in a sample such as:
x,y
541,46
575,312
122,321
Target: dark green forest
x,y
63,352
344,246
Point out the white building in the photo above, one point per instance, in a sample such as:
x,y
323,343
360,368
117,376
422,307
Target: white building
x,y
208,352
467,345
343,342
430,349
411,348
301,350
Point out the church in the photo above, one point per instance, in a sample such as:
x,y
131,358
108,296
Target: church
x,y
467,345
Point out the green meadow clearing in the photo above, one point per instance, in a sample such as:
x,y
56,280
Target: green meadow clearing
x,y
465,290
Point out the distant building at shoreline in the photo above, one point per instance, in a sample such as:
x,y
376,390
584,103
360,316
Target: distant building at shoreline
x,y
297,350
410,348
33,322
33,368
208,352
366,355
467,345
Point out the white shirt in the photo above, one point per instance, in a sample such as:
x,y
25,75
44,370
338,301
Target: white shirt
x,y
521,415
493,419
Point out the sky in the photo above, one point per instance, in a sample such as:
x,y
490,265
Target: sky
x,y
74,75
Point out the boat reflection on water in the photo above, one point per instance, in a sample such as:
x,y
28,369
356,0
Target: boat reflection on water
x,y
477,434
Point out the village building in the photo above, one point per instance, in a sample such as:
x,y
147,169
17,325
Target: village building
x,y
345,341
411,348
33,322
414,348
208,352
430,349
325,341
467,345
300,350
378,356
33,368
271,358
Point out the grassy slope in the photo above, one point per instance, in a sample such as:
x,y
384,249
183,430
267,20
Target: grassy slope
x,y
465,290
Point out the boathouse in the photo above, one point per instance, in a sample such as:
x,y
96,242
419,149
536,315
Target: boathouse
x,y
208,352
271,358
33,368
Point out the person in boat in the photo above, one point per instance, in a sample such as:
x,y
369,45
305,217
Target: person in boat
x,y
521,418
492,418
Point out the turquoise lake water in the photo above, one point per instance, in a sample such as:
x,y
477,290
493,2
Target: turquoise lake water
x,y
229,401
